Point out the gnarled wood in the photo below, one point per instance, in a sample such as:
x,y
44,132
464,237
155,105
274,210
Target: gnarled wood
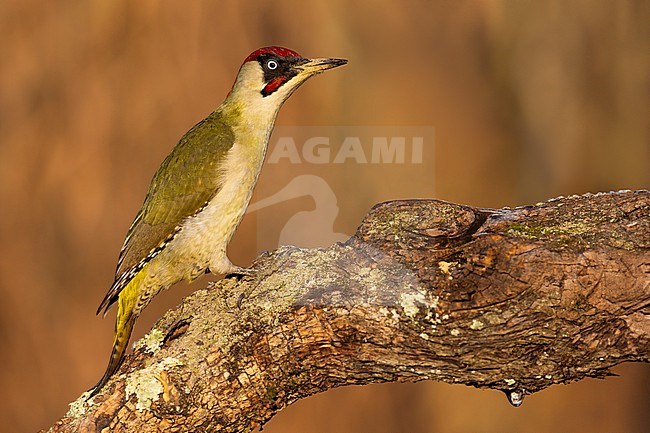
x,y
509,299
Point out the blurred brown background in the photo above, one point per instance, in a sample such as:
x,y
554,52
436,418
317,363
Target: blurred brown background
x,y
529,100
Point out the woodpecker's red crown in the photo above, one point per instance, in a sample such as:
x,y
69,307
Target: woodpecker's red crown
x,y
278,51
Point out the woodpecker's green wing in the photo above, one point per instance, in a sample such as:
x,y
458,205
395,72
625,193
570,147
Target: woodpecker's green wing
x,y
185,182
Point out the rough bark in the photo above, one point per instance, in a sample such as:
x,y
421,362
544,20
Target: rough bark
x,y
510,299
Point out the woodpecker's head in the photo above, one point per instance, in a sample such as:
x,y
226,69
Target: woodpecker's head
x,y
270,75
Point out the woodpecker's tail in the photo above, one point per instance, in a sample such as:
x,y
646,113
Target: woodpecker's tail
x,y
123,329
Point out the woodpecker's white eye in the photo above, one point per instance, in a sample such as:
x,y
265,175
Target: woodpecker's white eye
x,y
272,64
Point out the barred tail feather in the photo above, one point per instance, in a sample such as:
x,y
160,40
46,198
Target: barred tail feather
x,y
126,316
120,344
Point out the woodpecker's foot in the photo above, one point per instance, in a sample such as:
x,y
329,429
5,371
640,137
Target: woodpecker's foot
x,y
237,272
221,265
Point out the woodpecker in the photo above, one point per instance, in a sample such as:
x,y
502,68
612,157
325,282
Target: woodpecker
x,y
199,194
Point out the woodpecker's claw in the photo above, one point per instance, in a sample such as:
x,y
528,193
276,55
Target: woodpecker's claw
x,y
237,272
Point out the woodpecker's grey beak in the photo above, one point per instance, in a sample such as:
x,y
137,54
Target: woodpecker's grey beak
x,y
315,66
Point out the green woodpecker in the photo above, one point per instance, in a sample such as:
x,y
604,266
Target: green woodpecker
x,y
199,194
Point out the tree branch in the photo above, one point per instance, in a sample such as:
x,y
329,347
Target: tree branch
x,y
510,299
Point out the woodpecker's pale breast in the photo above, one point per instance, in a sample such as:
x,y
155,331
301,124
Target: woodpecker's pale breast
x,y
207,234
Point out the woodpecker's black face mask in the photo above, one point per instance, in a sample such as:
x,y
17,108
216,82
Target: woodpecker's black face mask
x,y
277,71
